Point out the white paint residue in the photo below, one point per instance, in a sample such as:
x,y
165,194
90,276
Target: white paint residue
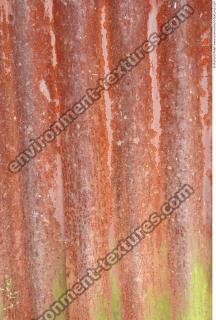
x,y
136,140
152,27
48,5
106,94
53,44
44,90
119,142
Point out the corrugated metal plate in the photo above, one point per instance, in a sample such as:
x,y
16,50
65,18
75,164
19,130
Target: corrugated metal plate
x,y
112,167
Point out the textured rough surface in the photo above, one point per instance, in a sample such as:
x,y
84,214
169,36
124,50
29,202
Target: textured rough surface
x,y
112,167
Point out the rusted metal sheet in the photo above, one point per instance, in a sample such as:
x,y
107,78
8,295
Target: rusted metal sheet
x,y
115,165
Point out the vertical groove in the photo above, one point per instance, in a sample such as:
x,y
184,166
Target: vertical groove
x,y
107,99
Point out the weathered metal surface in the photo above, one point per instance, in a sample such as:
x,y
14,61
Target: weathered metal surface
x,y
112,167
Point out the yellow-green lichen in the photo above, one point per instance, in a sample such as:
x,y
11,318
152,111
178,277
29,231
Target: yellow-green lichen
x,y
1,310
101,313
199,294
158,307
115,300
59,287
10,294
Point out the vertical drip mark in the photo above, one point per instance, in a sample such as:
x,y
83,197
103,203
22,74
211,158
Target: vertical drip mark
x,y
106,93
53,45
48,5
60,196
206,134
48,8
152,27
59,193
60,187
